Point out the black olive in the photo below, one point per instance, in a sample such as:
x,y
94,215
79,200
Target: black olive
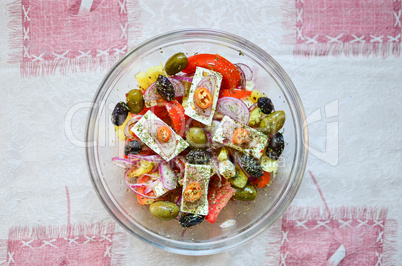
x,y
198,156
251,166
275,146
120,113
189,220
165,88
132,147
265,105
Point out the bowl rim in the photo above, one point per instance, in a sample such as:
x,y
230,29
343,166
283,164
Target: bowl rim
x,y
297,171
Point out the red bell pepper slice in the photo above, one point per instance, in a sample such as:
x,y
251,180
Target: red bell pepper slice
x,y
218,197
231,80
176,113
262,181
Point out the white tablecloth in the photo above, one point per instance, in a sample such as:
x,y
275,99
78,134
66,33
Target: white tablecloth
x,y
352,103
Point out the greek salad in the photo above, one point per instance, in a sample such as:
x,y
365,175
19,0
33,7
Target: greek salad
x,y
197,134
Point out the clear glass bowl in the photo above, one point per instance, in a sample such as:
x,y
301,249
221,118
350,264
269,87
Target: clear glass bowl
x,y
251,217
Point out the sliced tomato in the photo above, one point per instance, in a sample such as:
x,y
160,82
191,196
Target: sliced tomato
x,y
231,75
262,181
237,93
176,113
143,200
159,111
218,197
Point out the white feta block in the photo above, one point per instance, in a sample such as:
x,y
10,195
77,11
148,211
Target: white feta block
x,y
258,140
201,175
227,169
190,109
146,137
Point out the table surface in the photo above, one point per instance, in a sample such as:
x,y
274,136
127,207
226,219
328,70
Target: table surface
x,y
343,57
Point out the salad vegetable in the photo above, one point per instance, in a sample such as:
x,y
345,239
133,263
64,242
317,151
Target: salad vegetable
x,y
197,135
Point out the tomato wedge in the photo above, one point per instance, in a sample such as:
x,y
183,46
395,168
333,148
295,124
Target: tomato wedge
x,y
262,181
218,197
176,114
142,200
230,73
237,93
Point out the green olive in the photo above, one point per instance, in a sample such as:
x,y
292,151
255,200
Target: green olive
x,y
239,180
247,193
196,137
273,122
164,210
176,63
135,101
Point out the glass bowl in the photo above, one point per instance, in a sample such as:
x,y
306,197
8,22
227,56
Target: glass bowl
x,y
251,217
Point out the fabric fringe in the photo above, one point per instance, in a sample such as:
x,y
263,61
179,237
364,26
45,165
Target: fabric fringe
x,y
3,251
289,26
348,49
64,66
289,22
15,33
119,249
272,254
390,249
319,213
42,232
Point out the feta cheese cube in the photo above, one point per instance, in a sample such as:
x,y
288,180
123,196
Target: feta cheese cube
x,y
258,140
146,137
190,109
159,190
227,169
195,173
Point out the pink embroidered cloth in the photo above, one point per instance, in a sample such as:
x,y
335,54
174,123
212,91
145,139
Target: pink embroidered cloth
x,y
61,35
349,27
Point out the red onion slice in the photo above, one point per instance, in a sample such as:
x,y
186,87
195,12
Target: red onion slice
x,y
149,158
151,94
209,83
246,70
183,78
251,108
242,78
150,186
178,87
167,148
168,177
179,165
215,165
133,187
132,121
123,162
234,108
